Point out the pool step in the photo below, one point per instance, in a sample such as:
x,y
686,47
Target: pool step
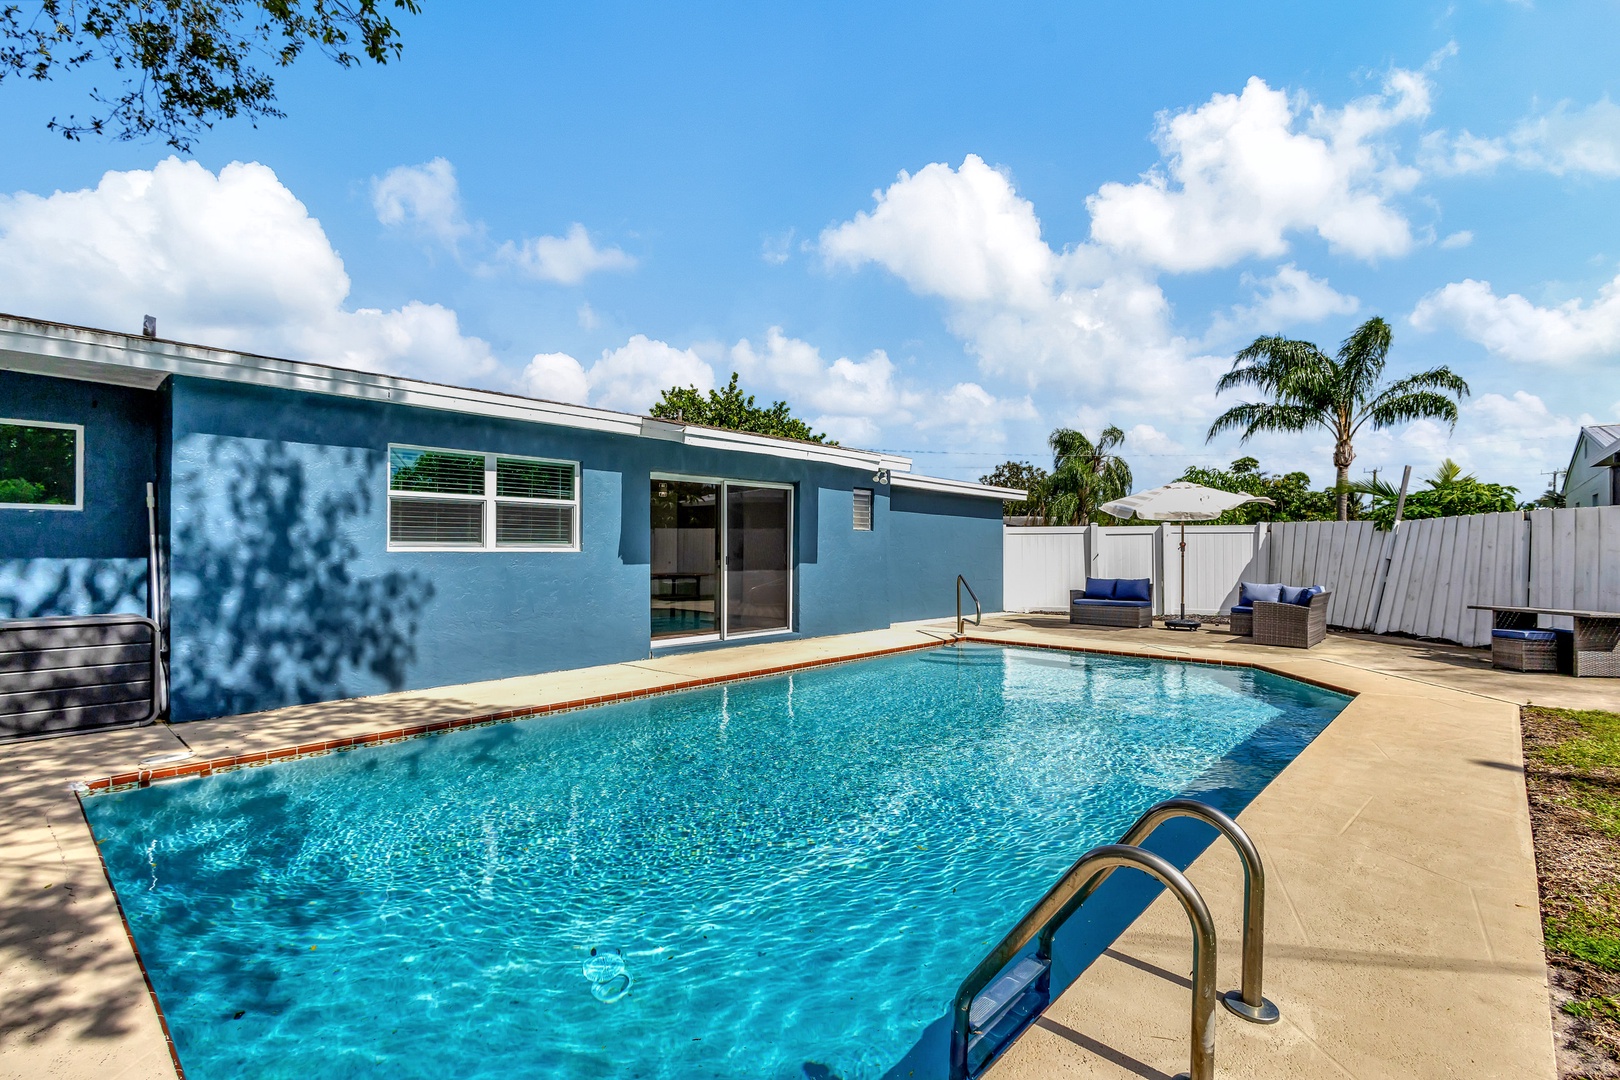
x,y
1007,1006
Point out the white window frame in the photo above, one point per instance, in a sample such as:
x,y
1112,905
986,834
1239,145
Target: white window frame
x,y
78,464
488,498
722,634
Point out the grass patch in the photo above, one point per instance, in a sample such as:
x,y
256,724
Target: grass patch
x,y
1586,932
1602,1007
1572,774
1593,744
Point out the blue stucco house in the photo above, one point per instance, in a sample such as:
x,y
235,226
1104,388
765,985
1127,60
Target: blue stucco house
x,y
325,533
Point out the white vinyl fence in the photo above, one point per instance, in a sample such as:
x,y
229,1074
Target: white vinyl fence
x,y
1041,565
1418,580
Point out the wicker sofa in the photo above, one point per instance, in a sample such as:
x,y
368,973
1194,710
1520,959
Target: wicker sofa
x,y
1276,614
1112,602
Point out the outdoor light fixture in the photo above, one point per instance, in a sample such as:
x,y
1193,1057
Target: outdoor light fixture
x,y
881,476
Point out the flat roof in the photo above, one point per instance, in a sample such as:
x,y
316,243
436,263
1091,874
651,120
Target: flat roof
x,y
107,356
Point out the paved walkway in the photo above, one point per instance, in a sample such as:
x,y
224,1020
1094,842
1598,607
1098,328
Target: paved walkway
x,y
1404,929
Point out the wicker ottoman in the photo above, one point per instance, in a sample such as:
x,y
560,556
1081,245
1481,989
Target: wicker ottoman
x,y
1242,620
1524,650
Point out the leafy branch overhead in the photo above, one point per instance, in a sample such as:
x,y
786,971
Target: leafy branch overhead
x,y
178,66
730,408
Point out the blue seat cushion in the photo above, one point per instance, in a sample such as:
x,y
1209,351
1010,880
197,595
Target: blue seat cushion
x,y
1084,602
1526,635
1243,609
1249,592
1133,588
1100,588
1291,595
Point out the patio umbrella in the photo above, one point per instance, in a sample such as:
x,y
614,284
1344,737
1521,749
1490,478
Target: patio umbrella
x,y
1181,502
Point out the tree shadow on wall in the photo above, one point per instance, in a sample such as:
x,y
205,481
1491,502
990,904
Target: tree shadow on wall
x,y
41,588
272,603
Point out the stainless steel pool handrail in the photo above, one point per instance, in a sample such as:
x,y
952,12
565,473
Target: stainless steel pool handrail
x,y
978,612
1094,864
1248,1002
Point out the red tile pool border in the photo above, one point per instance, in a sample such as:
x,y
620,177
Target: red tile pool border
x,y
209,766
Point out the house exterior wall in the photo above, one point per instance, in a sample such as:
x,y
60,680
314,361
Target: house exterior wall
x,y
92,560
282,589
1589,484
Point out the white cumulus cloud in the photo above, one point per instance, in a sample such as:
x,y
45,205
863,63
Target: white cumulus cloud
x,y
1562,141
230,259
423,197
1518,329
629,378
1078,319
1289,297
566,260
426,199
1241,172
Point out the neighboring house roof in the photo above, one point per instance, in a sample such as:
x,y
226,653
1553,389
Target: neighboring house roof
x,y
1605,441
105,356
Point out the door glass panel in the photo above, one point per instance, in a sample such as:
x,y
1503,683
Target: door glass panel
x,y
685,558
758,522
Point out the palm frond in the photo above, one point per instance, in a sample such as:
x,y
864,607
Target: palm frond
x,y
1362,356
1388,410
1254,417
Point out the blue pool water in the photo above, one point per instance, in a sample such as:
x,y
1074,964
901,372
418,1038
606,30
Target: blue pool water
x,y
780,878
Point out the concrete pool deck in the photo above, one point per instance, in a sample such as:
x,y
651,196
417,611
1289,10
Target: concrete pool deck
x,y
1403,926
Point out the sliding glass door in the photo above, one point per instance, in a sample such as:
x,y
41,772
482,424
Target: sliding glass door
x,y
722,559
685,559
758,527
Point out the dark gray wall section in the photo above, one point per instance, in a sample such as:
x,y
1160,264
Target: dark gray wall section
x,y
90,561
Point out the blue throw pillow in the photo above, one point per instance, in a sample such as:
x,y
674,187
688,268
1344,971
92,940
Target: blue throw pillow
x,y
1132,588
1291,595
1249,592
1099,588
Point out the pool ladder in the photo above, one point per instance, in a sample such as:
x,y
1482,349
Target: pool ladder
x,y
978,612
993,1008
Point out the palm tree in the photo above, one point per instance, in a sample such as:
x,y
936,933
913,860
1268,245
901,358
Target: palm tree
x,y
1085,475
1340,393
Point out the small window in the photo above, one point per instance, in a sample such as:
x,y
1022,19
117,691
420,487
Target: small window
x,y
454,500
863,509
41,465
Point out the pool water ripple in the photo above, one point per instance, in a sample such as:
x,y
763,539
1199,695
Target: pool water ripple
x,y
792,874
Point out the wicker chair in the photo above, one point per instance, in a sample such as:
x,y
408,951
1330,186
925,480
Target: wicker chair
x,y
1292,626
1242,621
1524,650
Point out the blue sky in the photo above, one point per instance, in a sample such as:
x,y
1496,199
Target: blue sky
x,y
939,229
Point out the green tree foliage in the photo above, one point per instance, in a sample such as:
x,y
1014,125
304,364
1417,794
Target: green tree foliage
x,y
730,408
1449,493
37,466
1340,394
180,65
1025,477
1291,492
1085,474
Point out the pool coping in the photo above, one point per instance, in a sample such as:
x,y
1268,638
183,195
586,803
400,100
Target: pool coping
x,y
141,778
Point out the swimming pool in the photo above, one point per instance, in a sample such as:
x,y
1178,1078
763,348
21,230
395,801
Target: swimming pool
x,y
783,877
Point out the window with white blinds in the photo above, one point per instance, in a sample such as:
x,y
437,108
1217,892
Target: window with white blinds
x,y
452,500
863,509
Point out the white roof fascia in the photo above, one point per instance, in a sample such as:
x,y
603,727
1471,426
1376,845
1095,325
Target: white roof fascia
x,y
956,487
127,360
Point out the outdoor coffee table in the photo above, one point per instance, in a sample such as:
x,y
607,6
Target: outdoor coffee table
x,y
1597,634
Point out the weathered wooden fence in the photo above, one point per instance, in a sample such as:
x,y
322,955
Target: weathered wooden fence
x,y
1419,579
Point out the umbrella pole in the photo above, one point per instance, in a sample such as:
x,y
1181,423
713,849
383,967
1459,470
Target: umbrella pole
x,y
1183,623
